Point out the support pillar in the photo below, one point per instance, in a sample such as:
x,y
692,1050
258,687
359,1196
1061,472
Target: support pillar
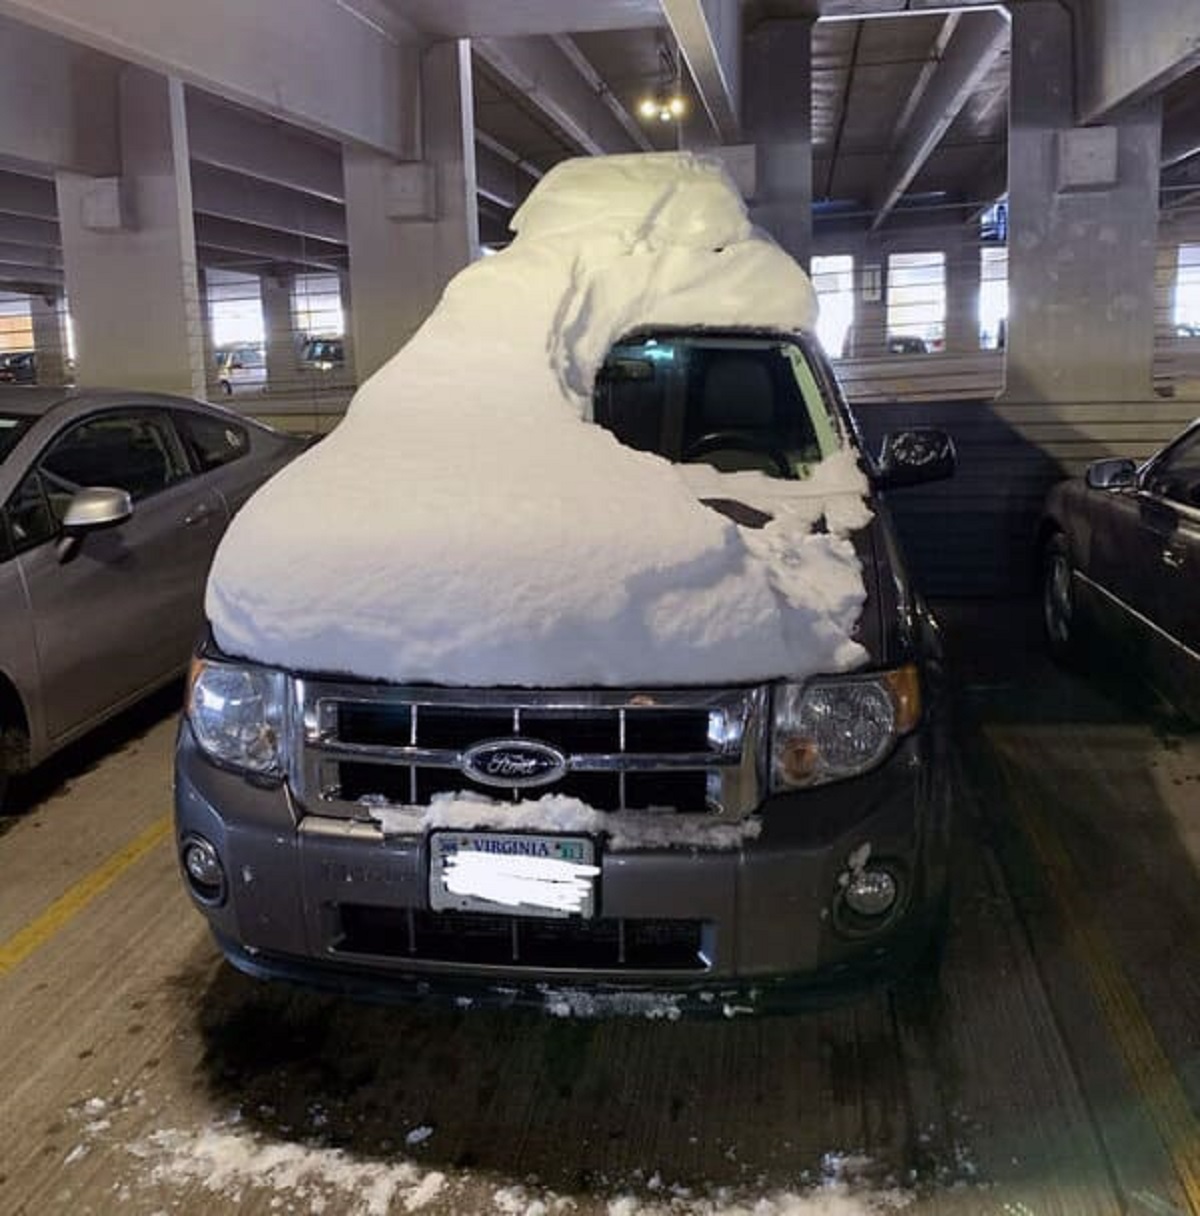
x,y
1083,220
777,115
869,335
413,226
275,292
963,277
129,251
49,339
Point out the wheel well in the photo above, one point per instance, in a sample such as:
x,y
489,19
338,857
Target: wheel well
x,y
1047,530
14,729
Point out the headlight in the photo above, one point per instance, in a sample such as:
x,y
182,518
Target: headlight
x,y
828,729
237,714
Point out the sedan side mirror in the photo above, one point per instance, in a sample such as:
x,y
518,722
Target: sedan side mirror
x,y
910,458
91,510
1118,474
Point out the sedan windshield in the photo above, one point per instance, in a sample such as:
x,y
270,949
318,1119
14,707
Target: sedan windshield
x,y
734,402
12,427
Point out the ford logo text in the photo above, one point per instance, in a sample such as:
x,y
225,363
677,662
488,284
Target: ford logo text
x,y
514,763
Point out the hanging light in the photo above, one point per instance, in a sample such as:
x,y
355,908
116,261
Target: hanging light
x,y
666,102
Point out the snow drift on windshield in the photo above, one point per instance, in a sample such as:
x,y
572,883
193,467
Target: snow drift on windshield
x,y
467,524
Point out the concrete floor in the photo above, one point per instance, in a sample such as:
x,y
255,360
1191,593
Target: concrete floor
x,y
1055,1070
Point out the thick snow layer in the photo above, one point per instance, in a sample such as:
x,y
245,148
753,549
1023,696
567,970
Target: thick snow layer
x,y
468,525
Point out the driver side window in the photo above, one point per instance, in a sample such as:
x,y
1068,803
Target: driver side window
x,y
1177,475
30,519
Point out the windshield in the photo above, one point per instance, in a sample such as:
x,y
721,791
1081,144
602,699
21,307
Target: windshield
x,y
734,402
12,427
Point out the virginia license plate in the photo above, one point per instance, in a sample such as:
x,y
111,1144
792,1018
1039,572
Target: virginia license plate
x,y
516,874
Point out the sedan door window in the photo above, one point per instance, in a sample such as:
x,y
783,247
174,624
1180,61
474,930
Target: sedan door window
x,y
138,452
29,516
1176,474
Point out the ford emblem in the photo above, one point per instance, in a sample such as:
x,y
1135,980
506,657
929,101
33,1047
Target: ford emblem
x,y
513,763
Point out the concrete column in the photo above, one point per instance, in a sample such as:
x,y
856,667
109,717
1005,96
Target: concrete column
x,y
275,291
1083,218
1166,274
413,226
129,252
777,115
49,339
211,379
963,275
350,367
869,335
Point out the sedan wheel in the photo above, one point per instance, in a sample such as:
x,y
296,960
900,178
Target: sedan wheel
x,y
1058,598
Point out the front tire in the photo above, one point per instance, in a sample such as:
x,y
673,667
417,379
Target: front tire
x,y
1060,618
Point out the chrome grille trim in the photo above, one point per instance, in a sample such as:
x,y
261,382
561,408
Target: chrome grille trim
x,y
735,762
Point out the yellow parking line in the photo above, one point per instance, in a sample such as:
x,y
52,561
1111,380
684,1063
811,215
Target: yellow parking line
x,y
73,901
1148,1066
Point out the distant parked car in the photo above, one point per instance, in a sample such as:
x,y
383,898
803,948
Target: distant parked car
x,y
18,367
111,506
1120,561
241,367
907,344
323,354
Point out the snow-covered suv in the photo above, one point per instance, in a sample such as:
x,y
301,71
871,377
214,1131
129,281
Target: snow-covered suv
x,y
579,664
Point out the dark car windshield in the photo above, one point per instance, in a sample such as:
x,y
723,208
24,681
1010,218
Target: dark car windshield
x,y
735,402
12,427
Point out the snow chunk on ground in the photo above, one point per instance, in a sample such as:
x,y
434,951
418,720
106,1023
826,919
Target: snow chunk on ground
x,y
557,813
468,525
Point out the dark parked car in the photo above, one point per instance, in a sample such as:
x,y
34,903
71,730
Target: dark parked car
x,y
111,506
1120,560
844,778
323,354
18,367
907,344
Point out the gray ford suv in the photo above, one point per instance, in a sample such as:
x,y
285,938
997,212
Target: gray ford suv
x,y
843,778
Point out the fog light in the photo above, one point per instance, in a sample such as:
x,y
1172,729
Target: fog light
x,y
203,868
871,892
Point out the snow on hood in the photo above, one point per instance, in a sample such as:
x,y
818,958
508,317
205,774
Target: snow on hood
x,y
467,524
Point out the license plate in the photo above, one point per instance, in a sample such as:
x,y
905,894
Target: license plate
x,y
515,874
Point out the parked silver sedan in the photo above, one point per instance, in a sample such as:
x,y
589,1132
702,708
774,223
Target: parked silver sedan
x,y
111,507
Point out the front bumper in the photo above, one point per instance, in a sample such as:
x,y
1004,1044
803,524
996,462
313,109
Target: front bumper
x,y
770,924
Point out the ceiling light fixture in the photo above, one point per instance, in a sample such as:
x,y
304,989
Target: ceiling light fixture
x,y
665,102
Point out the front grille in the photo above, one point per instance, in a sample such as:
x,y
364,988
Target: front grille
x,y
689,751
505,941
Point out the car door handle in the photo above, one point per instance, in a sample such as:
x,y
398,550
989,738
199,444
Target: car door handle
x,y
1173,557
197,515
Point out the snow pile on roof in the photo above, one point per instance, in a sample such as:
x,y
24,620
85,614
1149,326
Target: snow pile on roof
x,y
466,524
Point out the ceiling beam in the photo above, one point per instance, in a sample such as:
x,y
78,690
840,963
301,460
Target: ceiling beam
x,y
583,66
58,102
32,197
323,66
1131,51
974,45
501,176
231,196
39,234
709,37
13,273
233,237
537,68
10,252
244,143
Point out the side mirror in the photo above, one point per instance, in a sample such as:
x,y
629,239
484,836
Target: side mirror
x,y
91,510
1117,474
910,458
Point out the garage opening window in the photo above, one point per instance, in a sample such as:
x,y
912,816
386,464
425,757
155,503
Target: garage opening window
x,y
16,325
234,308
993,297
916,302
833,281
317,306
1187,291
733,402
